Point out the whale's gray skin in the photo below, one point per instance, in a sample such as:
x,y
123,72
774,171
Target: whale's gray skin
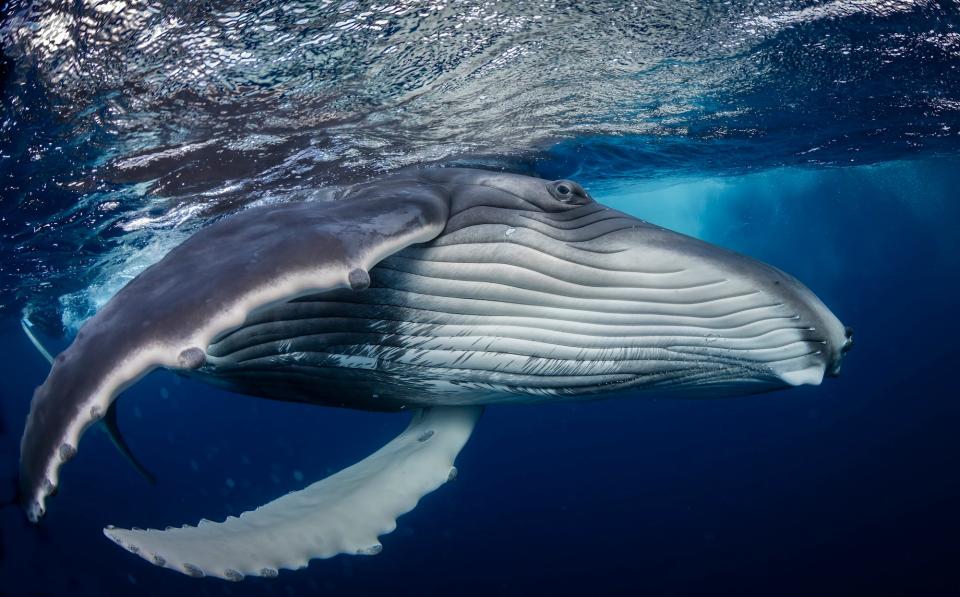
x,y
432,288
519,302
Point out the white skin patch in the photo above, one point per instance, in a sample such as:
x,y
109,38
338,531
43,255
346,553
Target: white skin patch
x,y
812,375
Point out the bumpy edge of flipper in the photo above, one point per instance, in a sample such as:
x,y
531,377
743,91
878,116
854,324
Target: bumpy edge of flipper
x,y
110,423
344,513
170,313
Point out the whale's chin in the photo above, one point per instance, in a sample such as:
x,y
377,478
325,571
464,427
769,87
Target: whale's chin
x,y
809,376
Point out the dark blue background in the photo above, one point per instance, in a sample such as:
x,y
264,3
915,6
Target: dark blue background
x,y
848,488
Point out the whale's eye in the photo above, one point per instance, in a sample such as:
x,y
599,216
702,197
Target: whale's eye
x,y
567,191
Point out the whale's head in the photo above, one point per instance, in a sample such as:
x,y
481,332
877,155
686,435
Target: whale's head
x,y
622,303
743,322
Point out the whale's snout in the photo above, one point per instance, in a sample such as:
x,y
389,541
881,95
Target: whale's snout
x,y
816,327
845,347
722,322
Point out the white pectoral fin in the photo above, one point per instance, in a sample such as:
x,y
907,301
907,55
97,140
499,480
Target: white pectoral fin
x,y
344,513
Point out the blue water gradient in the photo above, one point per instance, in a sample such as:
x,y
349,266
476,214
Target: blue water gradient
x,y
822,136
849,488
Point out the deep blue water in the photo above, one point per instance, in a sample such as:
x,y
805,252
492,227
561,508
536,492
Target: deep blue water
x,y
821,137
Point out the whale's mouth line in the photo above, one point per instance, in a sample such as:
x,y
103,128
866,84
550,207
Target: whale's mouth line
x,y
848,343
835,366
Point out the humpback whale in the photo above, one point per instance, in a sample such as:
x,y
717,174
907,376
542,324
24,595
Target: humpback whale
x,y
439,291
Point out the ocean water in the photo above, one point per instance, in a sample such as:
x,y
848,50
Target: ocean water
x,y
820,136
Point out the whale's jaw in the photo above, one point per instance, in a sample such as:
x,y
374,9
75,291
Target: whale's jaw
x,y
517,305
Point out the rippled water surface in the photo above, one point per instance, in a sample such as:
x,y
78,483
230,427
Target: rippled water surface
x,y
137,120
822,136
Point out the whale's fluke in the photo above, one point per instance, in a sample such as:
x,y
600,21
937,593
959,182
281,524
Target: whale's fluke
x,y
345,513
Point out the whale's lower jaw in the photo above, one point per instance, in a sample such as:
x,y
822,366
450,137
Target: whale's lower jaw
x,y
503,313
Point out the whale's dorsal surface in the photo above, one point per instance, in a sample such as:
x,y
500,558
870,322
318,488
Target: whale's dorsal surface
x,y
442,290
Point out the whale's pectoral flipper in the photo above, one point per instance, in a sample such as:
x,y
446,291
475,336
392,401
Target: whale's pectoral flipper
x,y
110,423
111,426
344,513
208,285
27,326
